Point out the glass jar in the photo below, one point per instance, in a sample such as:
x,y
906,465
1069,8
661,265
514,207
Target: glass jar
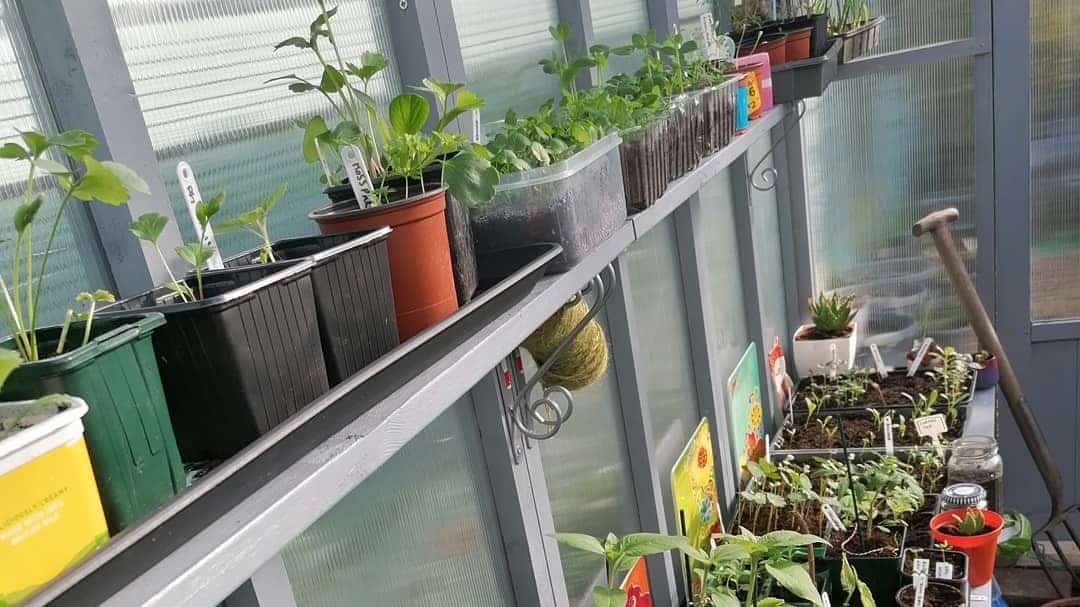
x,y
975,459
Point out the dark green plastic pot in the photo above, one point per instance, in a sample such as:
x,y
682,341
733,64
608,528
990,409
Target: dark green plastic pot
x,y
128,431
881,574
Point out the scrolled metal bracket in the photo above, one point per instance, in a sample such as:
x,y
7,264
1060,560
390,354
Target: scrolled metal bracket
x,y
764,179
542,418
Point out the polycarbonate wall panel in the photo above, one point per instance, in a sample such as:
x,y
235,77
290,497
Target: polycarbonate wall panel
x,y
912,23
690,10
199,69
587,469
1055,159
881,152
614,22
731,336
421,531
501,45
25,108
664,339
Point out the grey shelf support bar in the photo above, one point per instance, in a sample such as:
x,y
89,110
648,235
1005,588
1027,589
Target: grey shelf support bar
x,y
663,16
521,497
269,587
578,15
794,222
88,86
628,357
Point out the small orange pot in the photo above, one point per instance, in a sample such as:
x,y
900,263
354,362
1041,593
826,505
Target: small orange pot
x,y
420,269
773,44
798,44
981,549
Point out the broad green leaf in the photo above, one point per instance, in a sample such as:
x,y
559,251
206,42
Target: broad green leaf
x,y
148,226
408,113
25,213
248,219
644,544
51,166
36,143
332,79
796,579
99,183
206,209
540,153
726,553
12,151
270,200
784,539
75,142
100,296
9,361
128,177
609,597
195,253
296,41
724,598
321,20
560,32
315,128
580,133
373,59
770,602
441,90
581,541
346,132
471,179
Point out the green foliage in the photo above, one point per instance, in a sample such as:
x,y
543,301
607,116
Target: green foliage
x,y
255,221
620,555
80,176
832,314
850,582
972,523
9,361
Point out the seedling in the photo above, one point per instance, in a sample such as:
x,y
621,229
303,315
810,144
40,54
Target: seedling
x,y
83,178
812,405
255,221
148,227
923,405
621,554
84,297
850,582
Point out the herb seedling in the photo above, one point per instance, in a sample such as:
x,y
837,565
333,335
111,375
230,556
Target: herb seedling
x,y
621,553
106,181
255,221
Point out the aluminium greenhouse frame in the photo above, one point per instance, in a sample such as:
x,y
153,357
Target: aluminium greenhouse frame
x,y
182,556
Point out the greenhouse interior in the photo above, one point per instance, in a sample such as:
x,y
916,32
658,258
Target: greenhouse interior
x,y
540,303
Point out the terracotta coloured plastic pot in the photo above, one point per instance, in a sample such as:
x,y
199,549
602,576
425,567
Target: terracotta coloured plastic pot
x,y
798,44
981,549
773,44
420,268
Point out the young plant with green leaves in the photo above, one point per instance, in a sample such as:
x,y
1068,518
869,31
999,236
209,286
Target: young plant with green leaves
x,y
91,300
878,495
83,178
254,220
844,15
832,315
620,554
148,227
852,585
951,372
748,570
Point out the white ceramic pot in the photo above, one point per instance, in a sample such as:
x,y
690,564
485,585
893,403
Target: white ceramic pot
x,y
812,355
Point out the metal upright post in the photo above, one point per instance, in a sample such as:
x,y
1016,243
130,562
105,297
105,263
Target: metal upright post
x,y
663,16
578,15
269,587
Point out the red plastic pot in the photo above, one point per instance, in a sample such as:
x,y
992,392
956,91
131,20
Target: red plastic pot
x,y
798,44
420,270
981,549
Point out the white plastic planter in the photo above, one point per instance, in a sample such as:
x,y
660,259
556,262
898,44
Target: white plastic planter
x,y
814,355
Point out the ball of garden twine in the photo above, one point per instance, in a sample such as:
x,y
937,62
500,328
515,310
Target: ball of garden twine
x,y
584,360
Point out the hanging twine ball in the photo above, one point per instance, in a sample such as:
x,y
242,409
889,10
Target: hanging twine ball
x,y
584,361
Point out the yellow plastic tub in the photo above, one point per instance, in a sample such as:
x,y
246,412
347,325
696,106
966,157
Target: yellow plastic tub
x,y
50,512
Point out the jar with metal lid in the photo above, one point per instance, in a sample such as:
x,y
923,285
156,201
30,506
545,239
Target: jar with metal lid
x,y
975,459
962,495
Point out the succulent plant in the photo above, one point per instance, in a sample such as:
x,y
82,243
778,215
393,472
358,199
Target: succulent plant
x,y
832,314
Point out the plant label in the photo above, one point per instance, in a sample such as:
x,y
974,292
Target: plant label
x,y
913,365
832,519
920,566
931,425
352,158
920,589
879,364
834,360
708,30
193,197
825,602
477,127
888,432
768,449
943,570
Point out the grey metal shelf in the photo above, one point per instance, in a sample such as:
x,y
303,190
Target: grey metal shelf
x,y
175,557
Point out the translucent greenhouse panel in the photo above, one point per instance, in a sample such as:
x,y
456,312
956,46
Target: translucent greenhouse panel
x,y
24,107
690,10
614,22
768,258
913,23
421,531
664,337
881,152
501,62
587,469
200,69
1055,160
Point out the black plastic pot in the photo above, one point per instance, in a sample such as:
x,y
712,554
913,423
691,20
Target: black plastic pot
x,y
819,34
238,362
959,579
807,78
881,574
354,304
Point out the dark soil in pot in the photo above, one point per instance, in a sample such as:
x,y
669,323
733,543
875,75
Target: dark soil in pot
x,y
937,595
788,518
861,430
879,544
891,394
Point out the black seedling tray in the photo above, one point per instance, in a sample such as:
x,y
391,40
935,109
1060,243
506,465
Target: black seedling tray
x,y
238,362
354,303
796,80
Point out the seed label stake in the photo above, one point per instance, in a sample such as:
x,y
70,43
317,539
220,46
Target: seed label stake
x,y
920,589
768,450
835,362
913,366
832,519
943,570
477,128
879,364
888,431
352,158
921,566
825,602
193,197
933,426
712,45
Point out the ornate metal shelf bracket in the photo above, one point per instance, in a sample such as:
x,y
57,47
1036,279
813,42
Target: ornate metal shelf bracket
x,y
764,179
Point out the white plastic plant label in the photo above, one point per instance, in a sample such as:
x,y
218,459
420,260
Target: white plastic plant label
x,y
193,197
708,31
834,360
920,589
825,601
920,566
477,127
931,425
768,449
913,365
832,519
887,429
879,364
352,158
943,570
